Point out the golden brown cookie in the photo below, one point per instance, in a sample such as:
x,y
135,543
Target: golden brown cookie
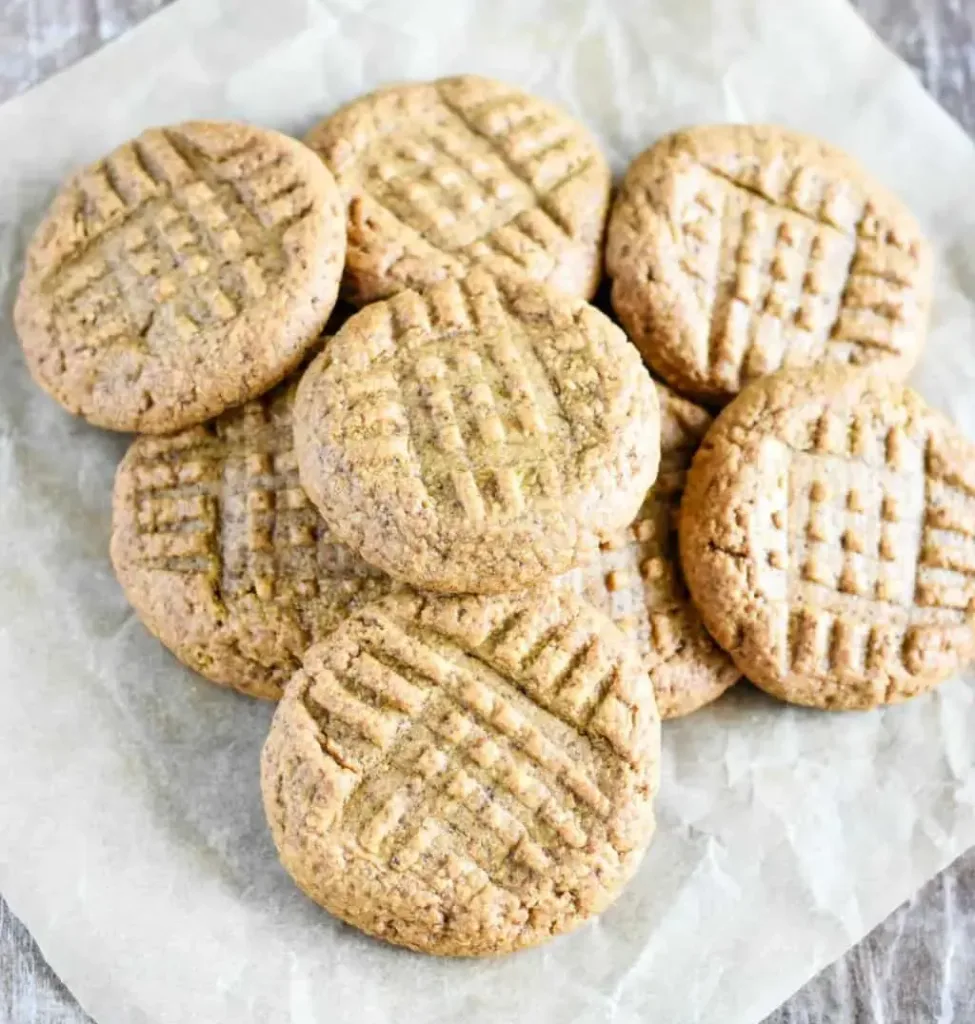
x,y
739,249
188,271
478,437
465,775
635,578
441,175
222,554
828,538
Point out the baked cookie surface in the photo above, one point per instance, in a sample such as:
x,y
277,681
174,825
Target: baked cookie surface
x,y
828,538
737,250
439,176
465,776
222,554
478,437
635,578
188,271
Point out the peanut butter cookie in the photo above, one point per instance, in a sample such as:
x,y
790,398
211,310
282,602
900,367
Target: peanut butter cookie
x,y
188,271
635,578
442,175
477,437
222,554
465,776
828,538
739,249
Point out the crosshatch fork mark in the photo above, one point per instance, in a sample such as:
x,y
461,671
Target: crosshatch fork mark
x,y
225,501
173,246
459,739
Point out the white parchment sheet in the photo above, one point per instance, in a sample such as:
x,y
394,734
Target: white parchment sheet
x,y
132,841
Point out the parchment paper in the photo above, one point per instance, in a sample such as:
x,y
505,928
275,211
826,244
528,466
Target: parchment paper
x,y
131,836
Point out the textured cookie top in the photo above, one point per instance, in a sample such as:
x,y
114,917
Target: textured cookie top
x,y
222,554
441,175
828,538
465,775
476,438
635,578
737,250
188,271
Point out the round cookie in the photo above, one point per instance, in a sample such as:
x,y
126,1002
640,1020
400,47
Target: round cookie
x,y
736,250
635,578
828,538
187,272
438,176
477,437
222,554
465,775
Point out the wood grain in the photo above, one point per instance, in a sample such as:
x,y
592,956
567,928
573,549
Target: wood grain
x,y
937,38
30,992
915,968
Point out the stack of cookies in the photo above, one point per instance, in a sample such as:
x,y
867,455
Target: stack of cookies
x,y
468,541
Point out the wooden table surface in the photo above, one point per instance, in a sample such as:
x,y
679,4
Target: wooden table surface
x,y
918,967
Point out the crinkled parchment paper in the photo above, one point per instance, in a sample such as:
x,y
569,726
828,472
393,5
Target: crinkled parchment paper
x,y
131,836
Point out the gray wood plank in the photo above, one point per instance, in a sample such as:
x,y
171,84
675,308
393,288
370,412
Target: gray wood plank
x,y
30,992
